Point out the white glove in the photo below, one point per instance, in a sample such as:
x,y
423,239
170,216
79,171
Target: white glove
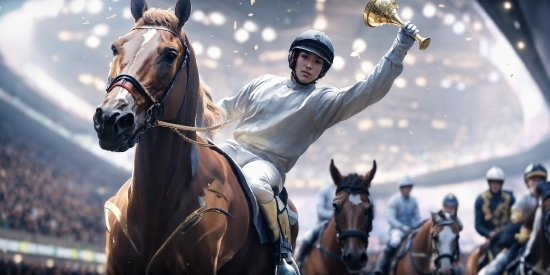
x,y
406,32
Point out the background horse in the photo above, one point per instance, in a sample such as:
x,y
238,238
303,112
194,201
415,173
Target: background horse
x,y
175,184
342,246
436,239
537,260
489,251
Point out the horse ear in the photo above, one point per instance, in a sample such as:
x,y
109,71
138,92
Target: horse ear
x,y
370,175
336,176
183,11
138,7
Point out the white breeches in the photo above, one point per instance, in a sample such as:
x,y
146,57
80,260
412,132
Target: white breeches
x,y
262,176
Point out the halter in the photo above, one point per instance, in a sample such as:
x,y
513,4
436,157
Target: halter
x,y
156,110
435,255
354,190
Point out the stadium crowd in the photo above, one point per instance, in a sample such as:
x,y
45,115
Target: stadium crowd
x,y
40,193
9,267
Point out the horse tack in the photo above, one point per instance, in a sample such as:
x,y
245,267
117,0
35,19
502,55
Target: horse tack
x,y
190,221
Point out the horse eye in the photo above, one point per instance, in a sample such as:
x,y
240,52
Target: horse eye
x,y
170,57
436,238
335,207
114,50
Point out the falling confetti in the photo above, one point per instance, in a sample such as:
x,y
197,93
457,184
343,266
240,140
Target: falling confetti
x,y
441,5
410,132
511,75
109,8
468,38
250,14
355,54
289,10
235,51
252,2
112,16
255,47
87,22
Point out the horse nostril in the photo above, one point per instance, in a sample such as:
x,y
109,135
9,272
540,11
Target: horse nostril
x,y
125,122
364,257
348,257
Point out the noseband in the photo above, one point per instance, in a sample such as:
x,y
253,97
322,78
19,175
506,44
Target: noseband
x,y
156,110
354,190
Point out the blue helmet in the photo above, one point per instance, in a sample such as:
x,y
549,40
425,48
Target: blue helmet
x,y
316,42
450,199
535,170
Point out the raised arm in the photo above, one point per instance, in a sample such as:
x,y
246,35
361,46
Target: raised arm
x,y
335,105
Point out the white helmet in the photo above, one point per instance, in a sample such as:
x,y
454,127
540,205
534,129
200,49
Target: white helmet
x,y
495,173
405,181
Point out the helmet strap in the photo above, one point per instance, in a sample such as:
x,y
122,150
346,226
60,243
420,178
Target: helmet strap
x,y
297,80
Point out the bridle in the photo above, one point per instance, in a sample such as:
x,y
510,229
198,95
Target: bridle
x,y
354,190
435,255
156,110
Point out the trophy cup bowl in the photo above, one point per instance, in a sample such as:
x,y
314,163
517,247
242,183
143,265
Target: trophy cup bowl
x,y
382,12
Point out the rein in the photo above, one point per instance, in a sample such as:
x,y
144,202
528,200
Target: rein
x,y
157,108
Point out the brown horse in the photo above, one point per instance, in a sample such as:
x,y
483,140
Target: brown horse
x,y
436,239
183,210
489,250
341,248
536,260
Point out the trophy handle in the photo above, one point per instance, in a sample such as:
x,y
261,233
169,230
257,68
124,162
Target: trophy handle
x,y
423,42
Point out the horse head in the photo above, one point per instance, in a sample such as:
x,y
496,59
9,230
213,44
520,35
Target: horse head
x,y
445,248
150,63
353,215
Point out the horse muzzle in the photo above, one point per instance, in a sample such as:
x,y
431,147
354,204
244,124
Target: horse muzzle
x,y
114,129
355,260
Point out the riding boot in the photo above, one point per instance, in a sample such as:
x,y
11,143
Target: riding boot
x,y
279,224
384,260
497,266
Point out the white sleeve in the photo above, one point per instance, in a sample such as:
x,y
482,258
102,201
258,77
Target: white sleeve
x,y
335,105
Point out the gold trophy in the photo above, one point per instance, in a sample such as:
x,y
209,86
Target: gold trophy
x,y
381,12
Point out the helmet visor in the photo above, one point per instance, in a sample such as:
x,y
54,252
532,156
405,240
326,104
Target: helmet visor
x,y
314,50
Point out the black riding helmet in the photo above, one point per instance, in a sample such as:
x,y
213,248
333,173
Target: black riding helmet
x,y
535,170
316,42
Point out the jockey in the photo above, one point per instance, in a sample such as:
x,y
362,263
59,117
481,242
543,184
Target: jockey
x,y
515,234
492,207
403,215
324,214
450,205
280,117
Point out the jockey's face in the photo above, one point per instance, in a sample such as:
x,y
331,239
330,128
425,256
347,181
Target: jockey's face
x,y
495,185
308,66
532,183
406,190
449,209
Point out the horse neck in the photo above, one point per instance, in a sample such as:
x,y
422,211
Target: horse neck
x,y
422,243
162,165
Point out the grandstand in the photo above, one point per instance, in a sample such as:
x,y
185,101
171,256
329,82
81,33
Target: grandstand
x,y
470,101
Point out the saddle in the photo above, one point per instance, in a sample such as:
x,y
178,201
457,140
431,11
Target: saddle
x,y
259,221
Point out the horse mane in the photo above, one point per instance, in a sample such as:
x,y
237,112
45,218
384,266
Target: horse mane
x,y
209,113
